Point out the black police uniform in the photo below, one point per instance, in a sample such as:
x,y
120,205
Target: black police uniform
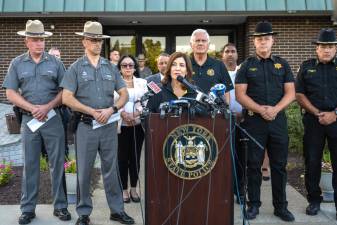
x,y
318,82
266,79
212,72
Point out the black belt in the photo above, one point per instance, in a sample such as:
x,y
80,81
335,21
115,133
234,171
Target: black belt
x,y
85,118
24,112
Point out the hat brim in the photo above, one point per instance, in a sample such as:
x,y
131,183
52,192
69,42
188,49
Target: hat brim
x,y
324,43
38,35
98,36
262,34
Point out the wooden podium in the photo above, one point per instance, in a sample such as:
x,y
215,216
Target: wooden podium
x,y
172,200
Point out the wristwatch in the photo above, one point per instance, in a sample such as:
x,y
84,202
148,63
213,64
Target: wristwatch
x,y
115,109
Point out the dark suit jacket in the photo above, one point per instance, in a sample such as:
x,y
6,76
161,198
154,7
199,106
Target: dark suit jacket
x,y
155,78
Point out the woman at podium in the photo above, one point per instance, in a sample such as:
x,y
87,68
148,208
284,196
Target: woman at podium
x,y
179,64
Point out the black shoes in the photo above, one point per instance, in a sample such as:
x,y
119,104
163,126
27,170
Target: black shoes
x,y
284,214
265,174
126,200
312,209
122,217
252,212
26,217
83,220
134,198
62,214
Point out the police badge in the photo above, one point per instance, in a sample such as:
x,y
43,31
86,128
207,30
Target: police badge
x,y
210,72
190,151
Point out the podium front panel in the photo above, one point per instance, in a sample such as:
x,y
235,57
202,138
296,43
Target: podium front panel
x,y
172,200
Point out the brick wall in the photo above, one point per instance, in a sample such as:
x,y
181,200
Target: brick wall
x,y
241,42
293,42
12,45
294,39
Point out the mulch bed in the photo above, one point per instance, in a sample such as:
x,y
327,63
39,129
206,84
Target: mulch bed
x,y
295,170
10,194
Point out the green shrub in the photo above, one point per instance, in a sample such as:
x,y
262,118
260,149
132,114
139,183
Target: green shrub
x,y
6,172
295,128
43,164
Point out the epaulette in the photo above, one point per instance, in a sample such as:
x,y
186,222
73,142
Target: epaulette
x,y
309,62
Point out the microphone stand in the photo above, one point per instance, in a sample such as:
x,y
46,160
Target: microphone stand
x,y
245,139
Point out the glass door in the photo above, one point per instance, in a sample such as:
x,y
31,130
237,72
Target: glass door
x,y
152,46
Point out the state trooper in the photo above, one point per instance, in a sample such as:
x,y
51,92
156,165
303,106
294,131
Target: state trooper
x,y
316,92
89,86
264,86
32,83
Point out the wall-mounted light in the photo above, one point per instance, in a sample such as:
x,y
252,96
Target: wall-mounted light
x,y
135,22
205,21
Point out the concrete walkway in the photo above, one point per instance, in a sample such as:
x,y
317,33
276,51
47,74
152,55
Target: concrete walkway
x,y
100,216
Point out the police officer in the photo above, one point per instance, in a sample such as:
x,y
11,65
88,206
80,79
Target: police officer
x,y
207,71
316,92
38,75
264,86
89,85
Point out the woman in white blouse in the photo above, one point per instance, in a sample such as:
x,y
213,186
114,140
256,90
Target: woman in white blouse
x,y
131,136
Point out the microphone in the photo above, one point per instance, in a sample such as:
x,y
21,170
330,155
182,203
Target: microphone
x,y
217,93
201,97
218,89
153,90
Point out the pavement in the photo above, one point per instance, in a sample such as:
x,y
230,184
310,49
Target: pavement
x,y
100,216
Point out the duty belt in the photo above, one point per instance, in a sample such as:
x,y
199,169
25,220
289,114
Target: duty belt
x,y
249,112
85,118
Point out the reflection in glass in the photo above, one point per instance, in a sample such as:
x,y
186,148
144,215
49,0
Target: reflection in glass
x,y
124,44
152,47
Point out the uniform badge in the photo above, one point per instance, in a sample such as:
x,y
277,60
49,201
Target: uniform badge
x,y
312,71
278,66
190,151
210,72
253,69
250,113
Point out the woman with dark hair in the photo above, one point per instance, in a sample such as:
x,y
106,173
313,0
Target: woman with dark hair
x,y
131,134
179,64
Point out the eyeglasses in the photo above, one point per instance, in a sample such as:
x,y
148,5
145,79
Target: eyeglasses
x,y
94,40
131,66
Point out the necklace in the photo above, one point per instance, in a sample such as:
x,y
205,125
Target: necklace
x,y
128,81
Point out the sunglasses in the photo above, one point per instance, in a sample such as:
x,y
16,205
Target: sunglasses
x,y
131,66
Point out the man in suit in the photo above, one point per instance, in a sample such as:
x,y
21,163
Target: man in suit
x,y
161,60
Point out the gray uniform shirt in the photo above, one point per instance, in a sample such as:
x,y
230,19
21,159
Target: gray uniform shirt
x,y
38,82
145,72
92,86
